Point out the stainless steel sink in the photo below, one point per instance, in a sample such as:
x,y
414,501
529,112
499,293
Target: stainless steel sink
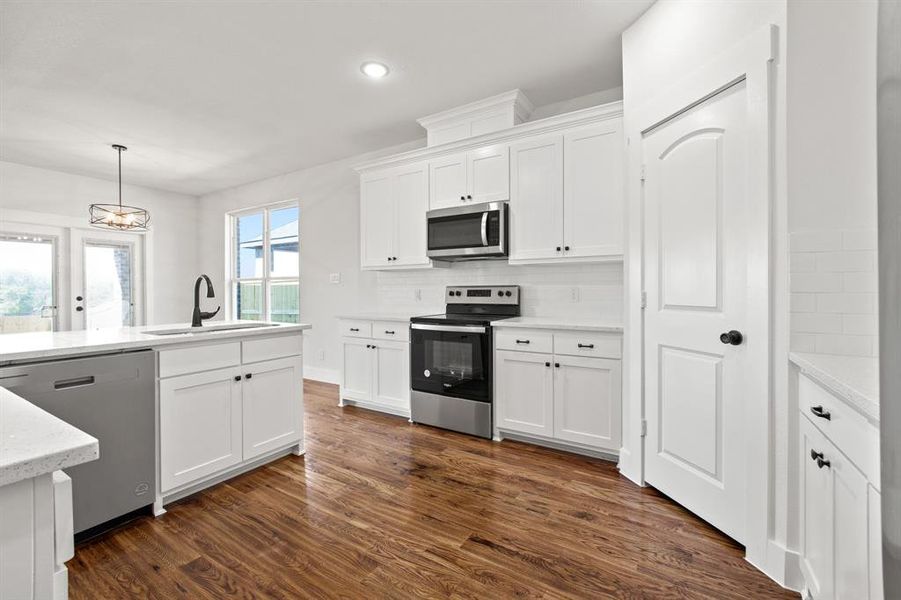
x,y
209,328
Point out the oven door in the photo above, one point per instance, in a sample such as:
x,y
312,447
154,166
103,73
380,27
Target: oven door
x,y
468,231
451,360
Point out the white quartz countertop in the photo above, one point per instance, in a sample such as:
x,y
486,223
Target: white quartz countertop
x,y
854,379
50,344
377,316
34,442
566,323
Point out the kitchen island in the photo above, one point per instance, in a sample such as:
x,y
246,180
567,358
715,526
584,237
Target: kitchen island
x,y
225,398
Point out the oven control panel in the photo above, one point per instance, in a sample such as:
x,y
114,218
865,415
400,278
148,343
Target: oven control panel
x,y
490,294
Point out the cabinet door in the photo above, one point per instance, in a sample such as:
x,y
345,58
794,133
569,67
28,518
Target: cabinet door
x,y
273,405
377,220
447,181
593,190
411,197
536,200
816,514
391,375
488,174
356,369
200,426
850,526
524,388
587,405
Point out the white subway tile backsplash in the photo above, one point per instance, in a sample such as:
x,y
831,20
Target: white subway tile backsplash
x,y
860,239
833,292
816,323
816,282
816,241
861,282
803,303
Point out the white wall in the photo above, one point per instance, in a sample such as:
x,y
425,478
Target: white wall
x,y
173,221
329,198
672,39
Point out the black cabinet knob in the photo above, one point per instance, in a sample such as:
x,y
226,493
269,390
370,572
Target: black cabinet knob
x,y
814,455
558,248
78,298
248,376
566,248
732,337
79,308
822,462
468,197
557,365
547,364
237,378
819,411
373,346
462,197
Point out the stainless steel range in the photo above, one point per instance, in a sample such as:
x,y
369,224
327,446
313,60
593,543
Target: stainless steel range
x,y
451,370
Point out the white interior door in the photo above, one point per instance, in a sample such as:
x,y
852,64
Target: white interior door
x,y
107,273
696,241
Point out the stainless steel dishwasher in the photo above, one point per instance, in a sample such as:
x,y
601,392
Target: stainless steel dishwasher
x,y
110,397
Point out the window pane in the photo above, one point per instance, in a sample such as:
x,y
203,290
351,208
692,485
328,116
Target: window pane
x,y
284,301
250,300
108,301
249,233
284,242
26,284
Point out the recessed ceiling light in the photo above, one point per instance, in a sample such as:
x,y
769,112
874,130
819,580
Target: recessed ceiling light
x,y
374,70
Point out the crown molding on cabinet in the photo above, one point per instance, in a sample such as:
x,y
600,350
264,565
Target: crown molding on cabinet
x,y
522,107
584,116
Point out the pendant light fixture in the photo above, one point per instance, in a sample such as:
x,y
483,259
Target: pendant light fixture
x,y
119,217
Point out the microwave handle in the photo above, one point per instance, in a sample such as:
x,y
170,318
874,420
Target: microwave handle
x,y
485,228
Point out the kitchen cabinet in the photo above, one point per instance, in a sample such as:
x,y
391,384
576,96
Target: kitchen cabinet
x,y
840,542
375,369
553,390
200,425
216,420
271,412
566,201
393,204
479,175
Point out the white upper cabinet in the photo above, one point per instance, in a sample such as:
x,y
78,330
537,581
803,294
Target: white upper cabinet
x,y
480,175
488,173
447,177
566,200
536,212
393,204
593,165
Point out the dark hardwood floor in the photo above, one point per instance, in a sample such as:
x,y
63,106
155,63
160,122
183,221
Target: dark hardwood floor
x,y
379,508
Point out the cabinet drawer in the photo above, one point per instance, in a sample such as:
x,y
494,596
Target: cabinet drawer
x,y
270,348
391,330
354,328
180,361
598,345
847,429
525,340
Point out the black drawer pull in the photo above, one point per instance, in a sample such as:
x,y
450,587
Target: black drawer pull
x,y
586,345
354,329
523,341
819,412
71,383
389,332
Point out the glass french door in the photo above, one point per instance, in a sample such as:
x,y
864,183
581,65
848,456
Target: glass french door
x,y
107,280
29,285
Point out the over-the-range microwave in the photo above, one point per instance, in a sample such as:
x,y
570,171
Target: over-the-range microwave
x,y
474,232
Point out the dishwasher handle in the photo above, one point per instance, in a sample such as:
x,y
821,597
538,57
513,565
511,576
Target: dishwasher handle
x,y
64,384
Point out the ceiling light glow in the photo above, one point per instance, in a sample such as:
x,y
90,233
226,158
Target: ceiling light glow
x,y
374,70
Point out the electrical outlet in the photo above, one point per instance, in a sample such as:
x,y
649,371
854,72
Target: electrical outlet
x,y
320,354
334,278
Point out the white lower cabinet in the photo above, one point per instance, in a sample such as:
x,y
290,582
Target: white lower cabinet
x,y
556,397
375,371
839,557
213,421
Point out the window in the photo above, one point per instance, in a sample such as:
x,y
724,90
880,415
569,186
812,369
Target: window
x,y
265,264
27,283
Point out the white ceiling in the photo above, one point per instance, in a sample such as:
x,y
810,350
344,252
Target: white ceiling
x,y
208,95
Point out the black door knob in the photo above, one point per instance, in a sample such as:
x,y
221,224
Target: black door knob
x,y
732,337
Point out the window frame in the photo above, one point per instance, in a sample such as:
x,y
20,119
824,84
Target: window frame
x,y
266,279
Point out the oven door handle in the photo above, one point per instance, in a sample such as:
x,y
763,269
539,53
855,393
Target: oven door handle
x,y
451,328
485,228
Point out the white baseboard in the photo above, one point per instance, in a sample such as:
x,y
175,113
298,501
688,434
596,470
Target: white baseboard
x,y
782,566
319,374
